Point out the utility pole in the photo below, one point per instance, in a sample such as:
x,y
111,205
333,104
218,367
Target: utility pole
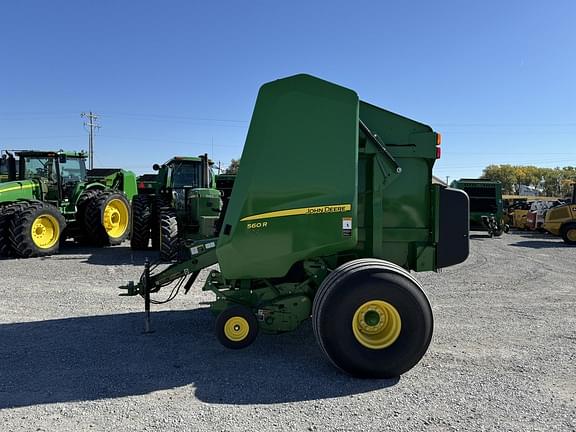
x,y
91,124
447,178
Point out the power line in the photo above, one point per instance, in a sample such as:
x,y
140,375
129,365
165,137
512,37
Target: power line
x,y
92,125
172,117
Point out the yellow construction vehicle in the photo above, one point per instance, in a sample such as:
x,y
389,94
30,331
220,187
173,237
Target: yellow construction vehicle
x,y
517,215
561,220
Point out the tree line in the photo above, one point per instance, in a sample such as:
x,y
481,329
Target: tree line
x,y
549,181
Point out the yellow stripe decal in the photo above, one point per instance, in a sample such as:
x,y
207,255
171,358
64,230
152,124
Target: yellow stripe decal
x,y
338,208
29,186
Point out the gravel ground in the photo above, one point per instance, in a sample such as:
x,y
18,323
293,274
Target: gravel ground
x,y
73,356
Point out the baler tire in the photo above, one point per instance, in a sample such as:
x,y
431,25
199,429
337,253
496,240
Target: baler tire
x,y
568,232
342,304
141,222
108,205
169,242
36,230
236,327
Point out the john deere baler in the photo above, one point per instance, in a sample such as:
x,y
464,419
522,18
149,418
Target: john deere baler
x,y
332,207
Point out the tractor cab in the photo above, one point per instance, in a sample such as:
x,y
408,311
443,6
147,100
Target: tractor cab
x,y
186,173
186,180
58,172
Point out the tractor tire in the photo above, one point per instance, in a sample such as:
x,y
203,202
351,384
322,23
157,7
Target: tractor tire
x,y
568,233
36,230
141,222
159,202
372,319
5,248
169,243
107,220
7,212
81,207
236,327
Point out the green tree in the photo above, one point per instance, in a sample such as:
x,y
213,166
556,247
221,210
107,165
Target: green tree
x,y
233,167
553,181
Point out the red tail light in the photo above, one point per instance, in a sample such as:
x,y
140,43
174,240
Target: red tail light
x,y
438,142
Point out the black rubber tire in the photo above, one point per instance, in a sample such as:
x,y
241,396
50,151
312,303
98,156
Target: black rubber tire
x,y
344,291
566,228
20,230
169,242
81,234
141,222
93,222
498,232
7,211
231,312
159,202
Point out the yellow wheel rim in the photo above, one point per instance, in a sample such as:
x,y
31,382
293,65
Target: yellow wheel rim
x,y
115,218
376,324
45,231
236,329
571,234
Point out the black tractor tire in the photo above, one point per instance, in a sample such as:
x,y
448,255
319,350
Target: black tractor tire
x,y
81,236
7,211
141,222
159,202
107,221
568,233
382,348
236,327
36,230
169,242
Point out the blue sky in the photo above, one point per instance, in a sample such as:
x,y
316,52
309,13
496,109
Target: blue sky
x,y
497,79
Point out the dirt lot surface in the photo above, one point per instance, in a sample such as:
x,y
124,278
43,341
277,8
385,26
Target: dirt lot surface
x,y
73,356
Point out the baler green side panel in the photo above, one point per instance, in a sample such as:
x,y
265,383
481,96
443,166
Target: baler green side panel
x,y
296,190
401,224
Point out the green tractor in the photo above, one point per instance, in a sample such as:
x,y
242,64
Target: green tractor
x,y
178,207
49,196
332,207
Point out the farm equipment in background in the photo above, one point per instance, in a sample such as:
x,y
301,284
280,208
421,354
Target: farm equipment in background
x,y
333,205
518,215
537,214
486,210
50,196
561,220
176,207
